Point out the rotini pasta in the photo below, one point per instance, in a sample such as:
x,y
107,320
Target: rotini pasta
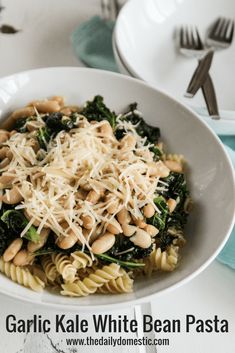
x,y
122,284
176,158
64,267
162,260
21,275
49,268
91,283
80,259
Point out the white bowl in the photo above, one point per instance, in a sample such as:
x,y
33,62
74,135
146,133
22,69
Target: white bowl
x,y
145,41
210,172
120,64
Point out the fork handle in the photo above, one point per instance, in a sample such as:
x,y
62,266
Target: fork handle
x,y
208,91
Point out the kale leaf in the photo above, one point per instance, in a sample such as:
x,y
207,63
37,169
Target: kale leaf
x,y
56,124
122,244
4,238
158,220
143,129
97,110
16,222
44,135
20,124
127,264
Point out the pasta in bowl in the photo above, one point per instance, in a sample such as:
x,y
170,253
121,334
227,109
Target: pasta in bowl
x,y
44,212
90,200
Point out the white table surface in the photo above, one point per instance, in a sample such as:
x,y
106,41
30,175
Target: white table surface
x,y
45,41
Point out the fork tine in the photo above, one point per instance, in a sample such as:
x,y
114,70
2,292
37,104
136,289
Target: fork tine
x,y
214,28
181,37
193,39
230,36
188,42
224,29
199,42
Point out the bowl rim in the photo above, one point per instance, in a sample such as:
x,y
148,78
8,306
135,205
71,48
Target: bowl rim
x,y
148,297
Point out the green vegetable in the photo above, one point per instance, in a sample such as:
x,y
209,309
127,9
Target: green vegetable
x,y
20,124
126,264
16,222
97,110
159,219
43,136
124,250
4,239
142,128
46,251
55,123
157,153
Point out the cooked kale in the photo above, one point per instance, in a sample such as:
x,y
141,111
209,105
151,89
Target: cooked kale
x,y
142,128
159,219
127,264
164,239
157,153
122,244
15,221
4,238
56,124
20,124
97,110
44,135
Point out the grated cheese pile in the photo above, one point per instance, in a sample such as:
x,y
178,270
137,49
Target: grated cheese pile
x,y
76,162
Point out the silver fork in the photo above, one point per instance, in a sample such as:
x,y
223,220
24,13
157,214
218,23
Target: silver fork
x,y
191,45
220,34
190,42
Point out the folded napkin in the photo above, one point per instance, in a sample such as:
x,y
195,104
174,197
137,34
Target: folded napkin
x,y
92,43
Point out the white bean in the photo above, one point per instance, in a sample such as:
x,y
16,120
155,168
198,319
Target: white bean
x,y
67,241
23,258
12,249
171,204
6,180
151,230
158,169
31,246
141,239
123,216
114,228
149,211
128,142
87,221
106,129
128,230
46,106
93,197
14,196
103,244
139,222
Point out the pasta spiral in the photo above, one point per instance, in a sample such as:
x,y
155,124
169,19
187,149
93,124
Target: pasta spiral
x,y
122,284
49,268
162,260
80,259
21,276
91,283
64,267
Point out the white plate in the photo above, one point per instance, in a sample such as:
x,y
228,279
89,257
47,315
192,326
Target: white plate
x,y
183,131
145,40
223,126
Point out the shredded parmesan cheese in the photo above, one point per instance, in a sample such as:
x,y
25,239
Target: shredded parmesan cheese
x,y
81,159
